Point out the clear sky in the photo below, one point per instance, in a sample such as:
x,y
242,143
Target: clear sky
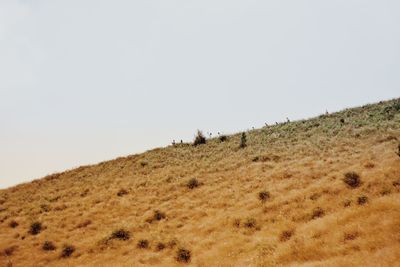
x,y
84,81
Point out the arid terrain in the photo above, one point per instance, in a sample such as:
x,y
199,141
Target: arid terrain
x,y
317,192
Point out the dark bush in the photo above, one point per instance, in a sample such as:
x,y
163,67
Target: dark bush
x,y
67,251
143,243
243,140
362,200
120,234
35,228
199,139
13,224
352,179
192,183
183,255
48,246
264,196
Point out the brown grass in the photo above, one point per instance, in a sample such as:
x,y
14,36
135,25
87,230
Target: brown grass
x,y
312,219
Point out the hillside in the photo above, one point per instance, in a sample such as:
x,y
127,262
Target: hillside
x,y
317,192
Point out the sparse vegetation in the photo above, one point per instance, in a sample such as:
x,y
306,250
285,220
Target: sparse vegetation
x,y
281,201
199,139
67,251
352,179
183,255
48,246
35,228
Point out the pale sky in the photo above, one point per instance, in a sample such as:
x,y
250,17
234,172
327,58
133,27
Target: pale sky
x,y
85,81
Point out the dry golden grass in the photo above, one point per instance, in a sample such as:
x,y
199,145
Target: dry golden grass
x,y
140,211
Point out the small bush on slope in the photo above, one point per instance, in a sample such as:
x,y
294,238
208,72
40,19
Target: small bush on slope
x,y
352,179
35,228
199,139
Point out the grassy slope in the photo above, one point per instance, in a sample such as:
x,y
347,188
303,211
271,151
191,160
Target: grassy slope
x,y
300,163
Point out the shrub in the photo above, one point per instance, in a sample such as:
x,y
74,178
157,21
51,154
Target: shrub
x,y
122,192
243,140
120,234
84,224
199,139
143,243
236,223
285,235
144,163
263,196
67,251
9,251
172,243
362,200
317,213
347,203
160,246
13,224
396,106
183,255
45,208
192,183
35,228
223,138
158,215
48,246
250,223
350,236
352,179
